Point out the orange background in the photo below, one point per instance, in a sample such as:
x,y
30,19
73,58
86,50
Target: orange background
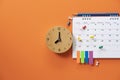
x,y
23,51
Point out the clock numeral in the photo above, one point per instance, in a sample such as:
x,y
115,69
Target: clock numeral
x,y
59,49
59,28
48,39
64,48
53,48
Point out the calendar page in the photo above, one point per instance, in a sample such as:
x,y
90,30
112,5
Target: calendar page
x,y
98,34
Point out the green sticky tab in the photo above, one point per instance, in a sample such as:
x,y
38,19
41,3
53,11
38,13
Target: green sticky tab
x,y
82,56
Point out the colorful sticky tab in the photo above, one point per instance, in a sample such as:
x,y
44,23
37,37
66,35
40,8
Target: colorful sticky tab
x,y
79,39
92,36
78,56
84,27
100,47
86,57
70,18
82,57
90,57
97,63
68,23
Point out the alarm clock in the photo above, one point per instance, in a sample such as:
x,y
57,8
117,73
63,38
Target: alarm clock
x,y
59,39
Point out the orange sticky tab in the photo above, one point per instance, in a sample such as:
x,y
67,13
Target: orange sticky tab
x,y
78,56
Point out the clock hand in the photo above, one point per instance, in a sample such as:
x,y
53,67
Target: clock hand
x,y
56,41
59,37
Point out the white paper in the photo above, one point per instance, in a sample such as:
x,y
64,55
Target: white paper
x,y
106,31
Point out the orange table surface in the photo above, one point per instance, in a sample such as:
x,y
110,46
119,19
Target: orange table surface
x,y
23,51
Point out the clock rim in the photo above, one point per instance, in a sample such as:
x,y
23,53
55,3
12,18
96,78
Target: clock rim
x,y
70,42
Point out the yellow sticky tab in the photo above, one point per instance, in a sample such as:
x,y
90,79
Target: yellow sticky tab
x,y
92,36
79,38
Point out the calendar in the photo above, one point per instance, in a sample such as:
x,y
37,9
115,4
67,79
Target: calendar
x,y
101,35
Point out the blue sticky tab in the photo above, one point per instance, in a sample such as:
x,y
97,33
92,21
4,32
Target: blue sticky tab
x,y
86,57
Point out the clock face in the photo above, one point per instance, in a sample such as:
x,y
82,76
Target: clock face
x,y
59,39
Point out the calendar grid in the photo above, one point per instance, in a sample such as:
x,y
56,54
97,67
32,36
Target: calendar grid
x,y
100,31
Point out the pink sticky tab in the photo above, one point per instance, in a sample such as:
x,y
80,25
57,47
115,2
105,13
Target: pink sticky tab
x,y
90,57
